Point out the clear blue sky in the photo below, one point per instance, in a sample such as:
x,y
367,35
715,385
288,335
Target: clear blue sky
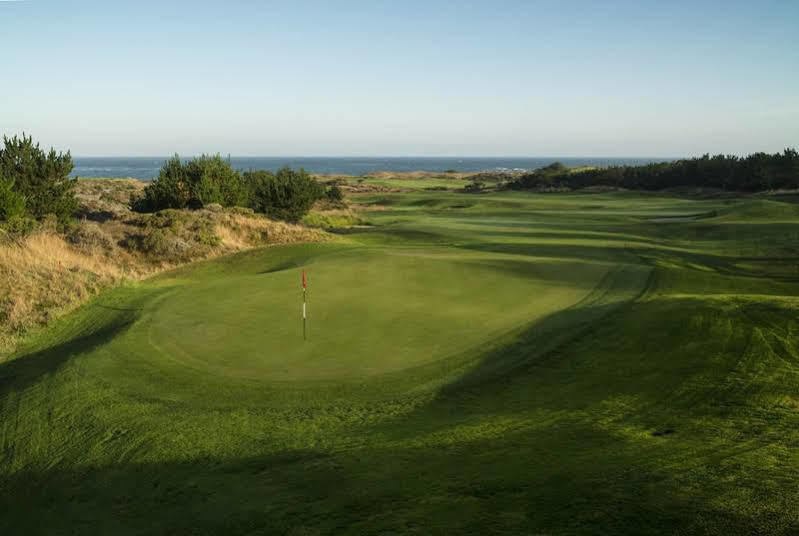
x,y
524,78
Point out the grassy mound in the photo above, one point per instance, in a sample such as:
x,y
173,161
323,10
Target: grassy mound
x,y
759,210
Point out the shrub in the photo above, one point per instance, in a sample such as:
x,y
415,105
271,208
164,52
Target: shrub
x,y
474,187
12,204
156,241
216,181
334,193
169,190
206,235
40,179
554,167
242,211
89,237
19,227
194,184
286,195
206,192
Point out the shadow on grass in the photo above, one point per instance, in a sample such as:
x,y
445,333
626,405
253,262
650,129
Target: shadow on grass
x,y
397,234
598,238
26,369
576,252
115,308
631,252
575,479
281,267
537,342
559,273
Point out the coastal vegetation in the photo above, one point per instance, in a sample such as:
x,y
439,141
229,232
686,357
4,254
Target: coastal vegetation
x,y
33,183
754,173
63,240
193,184
285,195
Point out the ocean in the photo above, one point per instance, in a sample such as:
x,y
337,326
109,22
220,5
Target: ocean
x,y
146,167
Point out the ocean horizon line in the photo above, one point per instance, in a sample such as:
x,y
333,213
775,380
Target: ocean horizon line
x,y
475,157
148,167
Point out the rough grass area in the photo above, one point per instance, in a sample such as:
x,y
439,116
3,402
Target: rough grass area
x,y
396,182
508,363
333,218
47,273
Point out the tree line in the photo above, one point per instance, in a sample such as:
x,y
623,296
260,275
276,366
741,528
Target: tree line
x,y
754,173
35,184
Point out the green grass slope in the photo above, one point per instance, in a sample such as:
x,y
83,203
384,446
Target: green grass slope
x,y
496,364
759,210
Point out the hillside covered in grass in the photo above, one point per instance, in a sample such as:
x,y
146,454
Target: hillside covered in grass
x,y
506,363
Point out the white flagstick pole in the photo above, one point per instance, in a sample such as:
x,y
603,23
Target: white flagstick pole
x,y
303,306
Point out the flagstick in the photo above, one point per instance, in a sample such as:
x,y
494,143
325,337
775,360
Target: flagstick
x,y
303,315
304,295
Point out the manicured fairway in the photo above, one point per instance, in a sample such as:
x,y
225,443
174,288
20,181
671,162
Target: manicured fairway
x,y
484,364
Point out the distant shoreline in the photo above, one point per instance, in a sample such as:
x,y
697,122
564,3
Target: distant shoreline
x,y
145,168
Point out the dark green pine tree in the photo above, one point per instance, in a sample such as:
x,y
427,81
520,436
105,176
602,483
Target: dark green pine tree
x,y
40,178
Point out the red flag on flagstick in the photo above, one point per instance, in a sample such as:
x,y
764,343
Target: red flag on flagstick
x,y
303,279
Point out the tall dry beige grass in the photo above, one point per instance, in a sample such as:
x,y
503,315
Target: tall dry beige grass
x,y
240,231
43,276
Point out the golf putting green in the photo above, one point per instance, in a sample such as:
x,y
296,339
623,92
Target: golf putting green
x,y
371,312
